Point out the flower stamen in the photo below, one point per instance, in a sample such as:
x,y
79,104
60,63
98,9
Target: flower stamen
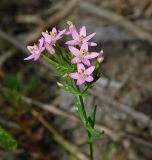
x,y
83,53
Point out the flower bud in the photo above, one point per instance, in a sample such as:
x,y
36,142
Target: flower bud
x,y
59,84
69,23
100,57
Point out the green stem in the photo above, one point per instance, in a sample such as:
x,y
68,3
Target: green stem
x,y
83,108
89,135
90,147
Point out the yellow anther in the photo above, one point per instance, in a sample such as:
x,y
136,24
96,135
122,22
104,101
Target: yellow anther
x,y
52,34
84,75
34,46
83,52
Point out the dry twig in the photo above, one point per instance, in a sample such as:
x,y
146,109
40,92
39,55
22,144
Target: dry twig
x,y
65,144
57,111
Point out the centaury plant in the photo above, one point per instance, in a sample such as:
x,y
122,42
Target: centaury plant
x,y
79,68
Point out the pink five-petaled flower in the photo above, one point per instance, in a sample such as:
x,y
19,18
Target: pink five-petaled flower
x,y
51,38
36,50
82,55
83,75
80,37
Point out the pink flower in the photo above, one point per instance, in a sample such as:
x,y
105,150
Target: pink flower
x,y
82,55
80,37
51,38
83,75
36,50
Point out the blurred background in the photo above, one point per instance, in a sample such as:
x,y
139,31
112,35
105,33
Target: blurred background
x,y
41,117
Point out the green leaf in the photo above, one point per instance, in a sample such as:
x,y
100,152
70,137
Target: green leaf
x,y
94,133
7,141
47,59
72,90
91,117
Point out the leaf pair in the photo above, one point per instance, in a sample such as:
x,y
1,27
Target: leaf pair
x,y
72,90
91,122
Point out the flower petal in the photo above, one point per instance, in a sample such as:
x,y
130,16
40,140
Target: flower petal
x,y
80,81
84,46
80,67
76,60
89,79
75,34
29,57
86,62
67,32
54,30
92,55
89,70
71,42
49,48
74,75
30,48
36,57
47,37
41,42
74,50
83,31
92,44
42,49
60,34
89,37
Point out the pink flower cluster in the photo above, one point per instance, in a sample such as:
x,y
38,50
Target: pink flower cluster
x,y
47,41
78,46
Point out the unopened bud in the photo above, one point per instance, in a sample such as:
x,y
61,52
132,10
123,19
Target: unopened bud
x,y
69,23
100,57
59,84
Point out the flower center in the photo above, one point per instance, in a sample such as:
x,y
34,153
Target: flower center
x,y
84,75
81,37
52,34
34,46
83,53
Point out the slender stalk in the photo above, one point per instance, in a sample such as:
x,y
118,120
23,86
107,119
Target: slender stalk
x,y
89,136
83,107
90,147
91,151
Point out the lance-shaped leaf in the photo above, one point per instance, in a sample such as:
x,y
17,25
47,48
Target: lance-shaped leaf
x,y
91,117
94,133
72,90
